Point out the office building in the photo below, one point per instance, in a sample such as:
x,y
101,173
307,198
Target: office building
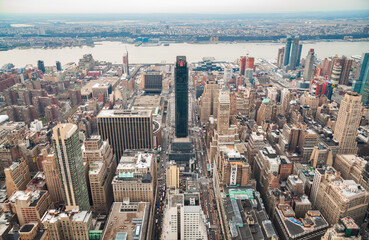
x,y
294,53
100,177
280,57
52,177
70,164
322,174
336,74
28,206
125,63
340,198
173,176
184,218
241,216
256,143
346,64
181,97
123,216
58,66
307,143
17,177
102,165
309,66
312,226
72,224
153,82
348,121
250,62
287,51
41,66
298,59
209,101
363,74
126,129
32,231
135,178
242,65
345,229
223,112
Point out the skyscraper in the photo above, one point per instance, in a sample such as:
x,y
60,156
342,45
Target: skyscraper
x,y
363,75
223,112
309,65
346,68
348,120
280,57
299,55
242,65
181,98
41,66
287,51
70,164
125,63
58,66
294,53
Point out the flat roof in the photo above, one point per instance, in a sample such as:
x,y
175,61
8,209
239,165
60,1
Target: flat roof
x,y
123,113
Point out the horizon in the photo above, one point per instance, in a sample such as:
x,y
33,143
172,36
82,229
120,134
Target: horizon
x,y
178,7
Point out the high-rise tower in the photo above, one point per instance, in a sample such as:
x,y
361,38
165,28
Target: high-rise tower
x,y
41,66
125,63
348,120
70,164
287,51
361,84
181,98
294,53
309,65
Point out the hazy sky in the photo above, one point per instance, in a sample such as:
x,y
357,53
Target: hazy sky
x,y
178,6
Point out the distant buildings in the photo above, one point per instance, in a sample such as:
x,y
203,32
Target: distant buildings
x,y
41,66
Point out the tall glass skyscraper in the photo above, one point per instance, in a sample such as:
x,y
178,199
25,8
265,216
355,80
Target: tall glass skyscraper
x,y
70,165
294,53
287,51
181,98
361,84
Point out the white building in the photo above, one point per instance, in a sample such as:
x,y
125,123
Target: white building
x,y
184,218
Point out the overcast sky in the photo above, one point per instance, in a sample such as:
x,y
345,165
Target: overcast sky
x,y
178,6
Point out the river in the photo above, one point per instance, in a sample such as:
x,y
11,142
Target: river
x,y
113,52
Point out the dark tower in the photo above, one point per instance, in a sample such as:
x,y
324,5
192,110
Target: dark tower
x,y
58,66
41,66
181,85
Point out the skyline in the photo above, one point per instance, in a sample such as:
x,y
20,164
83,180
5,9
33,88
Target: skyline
x,y
164,6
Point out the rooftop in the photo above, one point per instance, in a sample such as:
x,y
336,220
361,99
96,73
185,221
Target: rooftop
x,y
127,220
312,222
123,113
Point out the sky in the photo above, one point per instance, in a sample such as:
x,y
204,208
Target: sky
x,y
178,6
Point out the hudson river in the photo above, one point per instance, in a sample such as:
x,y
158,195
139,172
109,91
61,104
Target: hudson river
x,y
113,52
